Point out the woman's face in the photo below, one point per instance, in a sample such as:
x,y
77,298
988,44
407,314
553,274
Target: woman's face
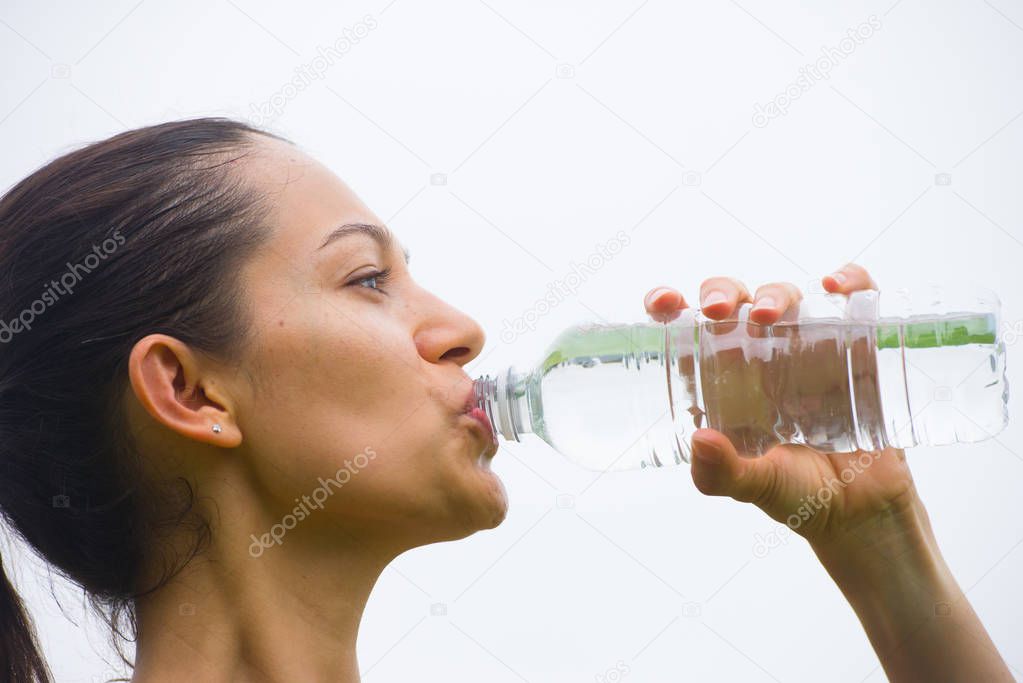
x,y
355,375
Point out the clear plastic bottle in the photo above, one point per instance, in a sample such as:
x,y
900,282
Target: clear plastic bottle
x,y
837,373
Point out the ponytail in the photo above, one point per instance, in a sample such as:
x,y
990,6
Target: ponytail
x,y
151,228
21,660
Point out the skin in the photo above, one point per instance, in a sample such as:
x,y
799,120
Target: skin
x,y
874,537
357,377
336,363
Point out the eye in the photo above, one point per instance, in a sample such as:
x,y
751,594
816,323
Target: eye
x,y
373,280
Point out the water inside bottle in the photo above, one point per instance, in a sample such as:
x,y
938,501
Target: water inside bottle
x,y
627,396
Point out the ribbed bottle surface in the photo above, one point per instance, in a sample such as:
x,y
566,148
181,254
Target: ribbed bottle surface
x,y
836,373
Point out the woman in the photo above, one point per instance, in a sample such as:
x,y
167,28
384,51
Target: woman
x,y
199,320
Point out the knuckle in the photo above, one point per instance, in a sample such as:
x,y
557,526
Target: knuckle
x,y
761,490
861,276
721,284
785,289
716,282
732,287
854,268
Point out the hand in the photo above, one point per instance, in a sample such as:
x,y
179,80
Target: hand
x,y
872,533
791,482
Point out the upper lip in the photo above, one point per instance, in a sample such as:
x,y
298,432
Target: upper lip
x,y
469,404
470,398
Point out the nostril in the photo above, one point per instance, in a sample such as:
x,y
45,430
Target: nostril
x,y
455,353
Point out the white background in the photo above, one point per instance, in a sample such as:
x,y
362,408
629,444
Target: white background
x,y
647,128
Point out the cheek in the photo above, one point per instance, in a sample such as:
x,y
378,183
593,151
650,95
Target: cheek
x,y
323,394
330,391
338,373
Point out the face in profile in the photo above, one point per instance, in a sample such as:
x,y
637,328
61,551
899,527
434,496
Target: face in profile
x,y
353,372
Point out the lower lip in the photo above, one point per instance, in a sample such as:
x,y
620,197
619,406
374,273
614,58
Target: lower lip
x,y
480,416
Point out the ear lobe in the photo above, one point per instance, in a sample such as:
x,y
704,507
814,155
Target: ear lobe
x,y
166,378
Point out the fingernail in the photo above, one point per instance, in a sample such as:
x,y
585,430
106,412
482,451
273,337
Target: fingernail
x,y
838,277
714,297
656,294
764,302
707,451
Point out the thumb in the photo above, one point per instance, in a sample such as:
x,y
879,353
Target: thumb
x,y
718,470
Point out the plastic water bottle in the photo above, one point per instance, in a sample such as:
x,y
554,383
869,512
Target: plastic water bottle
x,y
837,373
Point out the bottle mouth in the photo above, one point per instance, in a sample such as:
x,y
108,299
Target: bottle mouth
x,y
484,396
491,396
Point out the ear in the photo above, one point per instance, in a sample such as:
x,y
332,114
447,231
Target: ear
x,y
179,392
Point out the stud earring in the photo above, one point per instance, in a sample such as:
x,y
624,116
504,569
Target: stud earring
x,y
217,429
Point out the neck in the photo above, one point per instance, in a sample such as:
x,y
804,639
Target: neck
x,y
292,613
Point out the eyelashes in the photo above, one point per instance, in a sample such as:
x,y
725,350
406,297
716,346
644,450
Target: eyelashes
x,y
378,280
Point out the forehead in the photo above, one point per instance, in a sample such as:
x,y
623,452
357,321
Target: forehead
x,y
306,199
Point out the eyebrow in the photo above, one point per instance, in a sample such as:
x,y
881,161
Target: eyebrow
x,y
379,234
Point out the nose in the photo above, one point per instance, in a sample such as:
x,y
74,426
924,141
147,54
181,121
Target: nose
x,y
446,334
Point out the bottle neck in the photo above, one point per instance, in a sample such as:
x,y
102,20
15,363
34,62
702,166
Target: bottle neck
x,y
503,398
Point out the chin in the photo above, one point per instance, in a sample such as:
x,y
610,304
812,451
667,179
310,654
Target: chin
x,y
484,496
495,512
483,503
499,509
493,497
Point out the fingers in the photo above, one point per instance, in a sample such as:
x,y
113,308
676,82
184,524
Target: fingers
x,y
718,470
849,278
772,300
720,295
664,303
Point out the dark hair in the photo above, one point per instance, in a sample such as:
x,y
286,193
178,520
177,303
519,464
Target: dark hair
x,y
141,233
